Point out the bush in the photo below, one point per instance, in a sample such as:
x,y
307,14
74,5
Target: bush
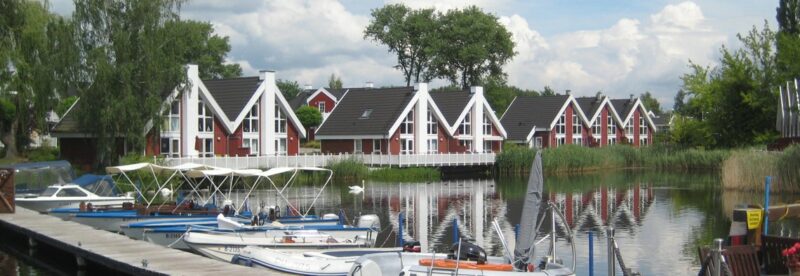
x,y
314,144
43,154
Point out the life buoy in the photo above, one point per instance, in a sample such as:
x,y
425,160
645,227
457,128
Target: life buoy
x,y
443,263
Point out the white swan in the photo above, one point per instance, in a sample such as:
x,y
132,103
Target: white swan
x,y
357,189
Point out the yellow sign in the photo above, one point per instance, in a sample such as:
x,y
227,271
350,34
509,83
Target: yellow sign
x,y
754,218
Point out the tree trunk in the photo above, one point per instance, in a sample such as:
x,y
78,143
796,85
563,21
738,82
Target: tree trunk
x,y
9,139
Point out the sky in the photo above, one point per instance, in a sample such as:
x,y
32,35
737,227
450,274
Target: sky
x,y
618,47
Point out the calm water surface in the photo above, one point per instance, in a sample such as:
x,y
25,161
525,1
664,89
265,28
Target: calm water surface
x,y
661,218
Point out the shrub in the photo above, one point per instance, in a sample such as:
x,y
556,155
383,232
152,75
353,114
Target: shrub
x,y
43,154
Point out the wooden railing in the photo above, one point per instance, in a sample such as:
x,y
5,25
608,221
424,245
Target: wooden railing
x,y
321,160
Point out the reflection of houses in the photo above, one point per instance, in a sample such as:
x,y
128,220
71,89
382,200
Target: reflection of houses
x,y
410,120
621,208
205,118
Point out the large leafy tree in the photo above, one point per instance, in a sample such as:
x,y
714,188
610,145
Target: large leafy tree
x,y
408,34
38,56
650,103
788,39
204,48
471,45
289,89
309,116
735,101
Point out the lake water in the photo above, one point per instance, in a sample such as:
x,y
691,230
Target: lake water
x,y
660,218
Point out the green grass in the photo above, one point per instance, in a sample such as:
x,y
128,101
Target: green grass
x,y
517,160
350,169
747,170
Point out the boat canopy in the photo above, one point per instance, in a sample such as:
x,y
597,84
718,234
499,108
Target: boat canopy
x,y
154,168
34,177
102,185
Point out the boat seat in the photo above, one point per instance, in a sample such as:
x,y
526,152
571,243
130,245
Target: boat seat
x,y
742,259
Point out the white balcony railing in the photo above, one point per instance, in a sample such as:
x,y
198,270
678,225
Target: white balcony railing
x,y
321,160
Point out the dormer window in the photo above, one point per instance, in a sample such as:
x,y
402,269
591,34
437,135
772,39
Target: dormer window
x,y
365,115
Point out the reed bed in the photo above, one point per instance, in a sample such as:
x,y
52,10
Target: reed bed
x,y
746,170
350,169
516,160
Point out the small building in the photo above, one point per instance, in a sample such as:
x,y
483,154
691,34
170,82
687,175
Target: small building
x,y
411,120
546,121
638,128
206,118
605,124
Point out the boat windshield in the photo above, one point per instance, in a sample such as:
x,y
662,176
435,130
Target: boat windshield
x,y
70,192
50,191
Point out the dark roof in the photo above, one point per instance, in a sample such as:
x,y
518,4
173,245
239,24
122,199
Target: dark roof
x,y
338,93
660,120
386,105
451,104
232,94
69,122
529,111
589,105
300,99
623,107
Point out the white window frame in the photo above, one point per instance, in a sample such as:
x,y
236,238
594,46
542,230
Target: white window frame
x,y
173,147
406,146
358,146
597,128
467,144
561,124
612,140
250,123
487,146
642,127
205,119
577,140
642,141
281,146
576,125
280,120
629,128
433,146
433,124
321,106
172,122
252,144
487,126
376,146
611,126
407,126
206,148
466,125
537,142
560,141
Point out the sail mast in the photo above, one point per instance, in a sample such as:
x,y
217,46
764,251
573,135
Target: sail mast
x,y
530,213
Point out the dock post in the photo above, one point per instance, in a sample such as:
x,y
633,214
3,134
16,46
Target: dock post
x,y
400,230
766,203
80,261
516,231
31,242
455,230
717,255
591,253
610,244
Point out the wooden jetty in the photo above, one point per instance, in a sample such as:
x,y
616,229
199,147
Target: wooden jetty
x,y
114,251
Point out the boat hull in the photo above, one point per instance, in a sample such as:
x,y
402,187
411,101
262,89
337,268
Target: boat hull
x,y
329,263
406,263
45,205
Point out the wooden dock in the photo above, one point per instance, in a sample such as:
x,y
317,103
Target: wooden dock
x,y
116,251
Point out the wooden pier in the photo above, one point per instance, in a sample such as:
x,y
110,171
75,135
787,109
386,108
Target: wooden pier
x,y
114,251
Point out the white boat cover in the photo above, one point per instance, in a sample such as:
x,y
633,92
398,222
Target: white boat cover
x,y
154,167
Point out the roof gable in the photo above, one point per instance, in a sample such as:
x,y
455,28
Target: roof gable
x,y
592,107
387,104
526,112
452,104
232,95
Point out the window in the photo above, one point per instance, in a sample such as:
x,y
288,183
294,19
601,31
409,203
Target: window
x,y
407,127
467,144
433,125
642,127
280,120
466,125
561,125
643,141
561,141
321,106
538,142
170,147
612,140
250,123
205,120
487,126
433,145
365,114
376,146
596,127
280,146
487,146
70,192
406,146
576,125
612,127
577,140
207,147
49,192
251,144
358,146
173,121
629,128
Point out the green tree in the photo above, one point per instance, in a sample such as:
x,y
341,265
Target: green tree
x,y
691,132
204,48
470,45
408,34
289,89
309,116
38,60
334,82
736,100
788,39
547,91
650,103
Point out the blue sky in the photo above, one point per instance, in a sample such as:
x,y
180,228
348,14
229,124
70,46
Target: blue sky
x,y
618,47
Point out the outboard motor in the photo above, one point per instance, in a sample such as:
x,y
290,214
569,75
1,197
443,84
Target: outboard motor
x,y
371,221
468,252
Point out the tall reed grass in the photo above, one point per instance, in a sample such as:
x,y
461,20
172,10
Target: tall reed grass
x,y
350,169
516,160
747,170
353,169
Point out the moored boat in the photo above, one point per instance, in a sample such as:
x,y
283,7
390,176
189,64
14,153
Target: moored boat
x,y
68,196
326,262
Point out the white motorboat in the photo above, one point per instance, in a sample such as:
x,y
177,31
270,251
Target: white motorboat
x,y
328,262
67,196
467,259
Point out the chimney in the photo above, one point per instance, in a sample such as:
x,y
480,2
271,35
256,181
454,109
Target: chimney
x,y
569,92
267,76
307,87
476,90
599,97
633,98
192,71
420,86
369,84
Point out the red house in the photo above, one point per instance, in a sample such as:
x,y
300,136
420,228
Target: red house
x,y
638,128
206,118
546,121
605,124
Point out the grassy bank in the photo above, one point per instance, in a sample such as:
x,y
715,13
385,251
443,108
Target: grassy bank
x,y
746,170
353,170
516,160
